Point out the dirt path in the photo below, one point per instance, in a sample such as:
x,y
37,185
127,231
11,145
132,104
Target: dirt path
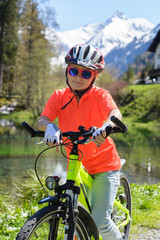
x,y
146,234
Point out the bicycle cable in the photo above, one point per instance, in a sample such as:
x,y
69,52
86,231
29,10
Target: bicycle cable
x,y
68,145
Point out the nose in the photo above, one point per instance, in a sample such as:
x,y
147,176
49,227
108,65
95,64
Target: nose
x,y
79,75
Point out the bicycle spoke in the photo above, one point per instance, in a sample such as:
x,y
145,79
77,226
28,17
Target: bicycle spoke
x,y
119,216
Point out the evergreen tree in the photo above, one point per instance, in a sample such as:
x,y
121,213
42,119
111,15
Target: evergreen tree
x,y
34,59
129,74
9,12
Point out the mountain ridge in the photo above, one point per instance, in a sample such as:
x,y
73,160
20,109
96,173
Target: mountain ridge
x,y
119,39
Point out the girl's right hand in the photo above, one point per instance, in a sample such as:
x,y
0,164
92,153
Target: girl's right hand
x,y
52,135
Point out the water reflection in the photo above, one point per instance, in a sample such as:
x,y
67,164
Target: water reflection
x,y
142,163
6,123
17,155
14,171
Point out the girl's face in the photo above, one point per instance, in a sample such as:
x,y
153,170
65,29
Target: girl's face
x,y
79,78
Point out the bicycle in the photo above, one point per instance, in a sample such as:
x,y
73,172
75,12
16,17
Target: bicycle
x,y
68,217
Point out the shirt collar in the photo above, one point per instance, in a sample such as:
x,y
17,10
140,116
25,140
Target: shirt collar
x,y
85,94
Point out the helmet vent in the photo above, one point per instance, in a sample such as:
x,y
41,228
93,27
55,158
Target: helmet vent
x,y
99,59
93,55
78,52
87,56
74,50
86,52
71,53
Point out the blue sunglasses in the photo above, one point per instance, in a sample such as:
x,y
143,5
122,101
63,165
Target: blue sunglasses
x,y
73,72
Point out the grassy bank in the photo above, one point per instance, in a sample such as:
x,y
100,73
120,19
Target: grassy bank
x,y
139,133
141,102
140,107
19,117
15,210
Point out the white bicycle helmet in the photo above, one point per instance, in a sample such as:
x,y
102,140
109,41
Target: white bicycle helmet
x,y
87,56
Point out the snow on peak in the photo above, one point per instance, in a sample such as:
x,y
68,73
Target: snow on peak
x,y
118,32
119,14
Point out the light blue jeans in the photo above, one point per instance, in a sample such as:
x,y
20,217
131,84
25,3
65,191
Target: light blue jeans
x,y
103,194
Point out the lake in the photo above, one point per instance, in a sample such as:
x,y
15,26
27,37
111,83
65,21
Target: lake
x,y
17,156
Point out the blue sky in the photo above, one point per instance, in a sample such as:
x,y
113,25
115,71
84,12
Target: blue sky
x,y
71,14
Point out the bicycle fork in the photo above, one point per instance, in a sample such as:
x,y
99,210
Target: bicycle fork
x,y
72,208
72,174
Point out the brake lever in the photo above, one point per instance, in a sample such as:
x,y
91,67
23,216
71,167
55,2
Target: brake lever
x,y
39,142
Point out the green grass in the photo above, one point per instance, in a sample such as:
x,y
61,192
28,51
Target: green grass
x,y
145,209
141,102
138,134
146,205
16,209
18,117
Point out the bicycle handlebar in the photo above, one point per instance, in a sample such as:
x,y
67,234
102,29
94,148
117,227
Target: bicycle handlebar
x,y
31,131
86,134
119,124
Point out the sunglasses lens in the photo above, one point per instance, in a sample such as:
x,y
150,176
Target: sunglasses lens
x,y
73,72
86,74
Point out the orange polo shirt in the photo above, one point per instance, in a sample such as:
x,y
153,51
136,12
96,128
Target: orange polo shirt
x,y
92,110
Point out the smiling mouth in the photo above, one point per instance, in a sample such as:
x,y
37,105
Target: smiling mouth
x,y
79,83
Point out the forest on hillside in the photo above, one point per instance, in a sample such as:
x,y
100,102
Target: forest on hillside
x,y
26,73
25,53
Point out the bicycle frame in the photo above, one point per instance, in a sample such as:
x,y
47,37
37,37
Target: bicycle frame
x,y
77,177
78,174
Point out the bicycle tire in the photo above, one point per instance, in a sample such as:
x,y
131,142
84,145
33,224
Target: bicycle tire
x,y
124,196
38,226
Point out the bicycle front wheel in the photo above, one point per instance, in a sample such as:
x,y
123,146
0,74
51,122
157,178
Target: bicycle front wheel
x,y
47,224
119,216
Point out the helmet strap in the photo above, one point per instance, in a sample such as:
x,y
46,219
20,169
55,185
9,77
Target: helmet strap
x,y
78,93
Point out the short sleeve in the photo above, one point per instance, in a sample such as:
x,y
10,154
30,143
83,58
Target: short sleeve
x,y
51,109
107,103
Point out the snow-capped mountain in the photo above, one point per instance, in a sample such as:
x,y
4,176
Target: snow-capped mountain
x,y
119,39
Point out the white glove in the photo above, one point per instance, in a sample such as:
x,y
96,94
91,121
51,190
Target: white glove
x,y
52,134
101,133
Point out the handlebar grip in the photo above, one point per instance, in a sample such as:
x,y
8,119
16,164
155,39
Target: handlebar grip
x,y
31,131
119,124
28,128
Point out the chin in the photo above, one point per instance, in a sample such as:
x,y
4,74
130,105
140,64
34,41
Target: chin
x,y
79,89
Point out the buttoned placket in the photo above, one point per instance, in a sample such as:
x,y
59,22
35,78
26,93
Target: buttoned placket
x,y
79,104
